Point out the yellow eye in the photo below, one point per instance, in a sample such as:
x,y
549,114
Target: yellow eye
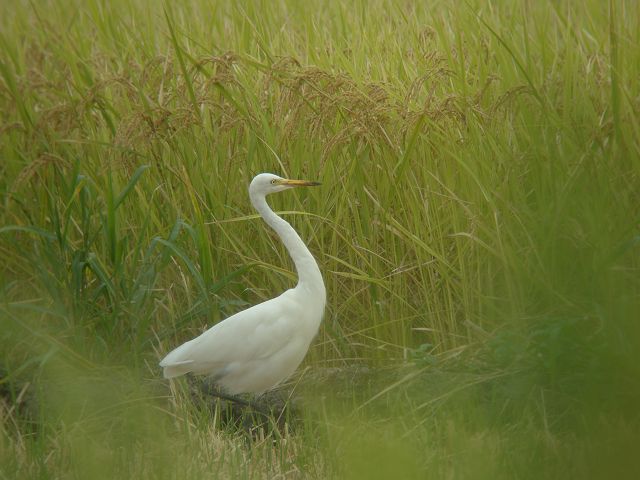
x,y
273,181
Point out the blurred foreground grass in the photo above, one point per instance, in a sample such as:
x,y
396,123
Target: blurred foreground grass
x,y
478,230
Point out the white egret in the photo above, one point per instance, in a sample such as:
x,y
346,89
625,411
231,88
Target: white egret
x,y
256,349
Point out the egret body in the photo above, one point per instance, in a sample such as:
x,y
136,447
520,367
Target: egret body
x,y
254,350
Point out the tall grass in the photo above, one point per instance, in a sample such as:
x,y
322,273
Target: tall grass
x,y
477,228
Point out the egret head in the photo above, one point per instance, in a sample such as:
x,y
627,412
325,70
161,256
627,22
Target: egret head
x,y
266,183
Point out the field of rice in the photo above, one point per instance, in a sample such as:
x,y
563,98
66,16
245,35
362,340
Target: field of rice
x,y
477,227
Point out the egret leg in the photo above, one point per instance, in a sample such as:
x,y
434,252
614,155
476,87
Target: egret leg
x,y
211,389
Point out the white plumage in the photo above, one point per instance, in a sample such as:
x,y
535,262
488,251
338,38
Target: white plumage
x,y
254,350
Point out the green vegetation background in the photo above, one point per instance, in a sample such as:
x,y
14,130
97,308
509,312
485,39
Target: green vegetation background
x,y
478,230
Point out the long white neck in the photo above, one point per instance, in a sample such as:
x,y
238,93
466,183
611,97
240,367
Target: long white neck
x,y
309,276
